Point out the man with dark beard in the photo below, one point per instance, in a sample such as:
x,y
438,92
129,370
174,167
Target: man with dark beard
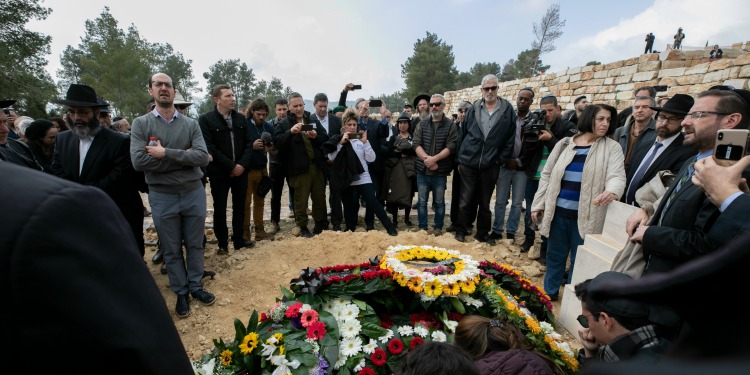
x,y
92,155
665,153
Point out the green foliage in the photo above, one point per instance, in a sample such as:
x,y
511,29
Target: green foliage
x,y
118,64
526,65
546,32
474,76
270,91
593,62
231,72
430,69
393,102
22,74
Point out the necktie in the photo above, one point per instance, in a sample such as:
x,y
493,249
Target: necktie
x,y
634,183
680,182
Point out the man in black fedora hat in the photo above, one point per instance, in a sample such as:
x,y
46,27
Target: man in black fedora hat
x,y
422,106
665,153
93,155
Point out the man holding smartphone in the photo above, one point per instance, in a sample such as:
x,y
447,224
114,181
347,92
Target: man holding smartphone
x,y
677,231
301,150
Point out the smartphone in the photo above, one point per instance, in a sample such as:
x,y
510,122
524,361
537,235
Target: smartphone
x,y
357,87
376,103
731,145
355,135
307,127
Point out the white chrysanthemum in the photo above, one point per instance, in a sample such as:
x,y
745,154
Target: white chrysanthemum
x,y
314,344
370,347
564,346
439,336
328,306
443,279
427,277
350,311
421,331
386,337
546,328
339,362
556,336
471,301
425,298
451,325
304,308
405,330
352,346
412,272
341,302
350,328
360,365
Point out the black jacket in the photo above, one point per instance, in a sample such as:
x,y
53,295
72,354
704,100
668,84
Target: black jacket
x,y
259,159
531,152
292,151
346,167
480,152
218,139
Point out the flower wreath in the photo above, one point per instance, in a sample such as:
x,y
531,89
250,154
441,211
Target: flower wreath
x,y
365,318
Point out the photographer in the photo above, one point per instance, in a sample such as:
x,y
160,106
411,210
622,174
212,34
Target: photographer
x,y
535,148
261,132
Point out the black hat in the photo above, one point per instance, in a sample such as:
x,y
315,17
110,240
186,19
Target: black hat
x,y
80,96
420,97
679,104
104,106
403,117
5,103
625,307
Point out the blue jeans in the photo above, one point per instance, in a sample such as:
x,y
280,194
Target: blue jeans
x,y
564,239
436,185
179,217
517,181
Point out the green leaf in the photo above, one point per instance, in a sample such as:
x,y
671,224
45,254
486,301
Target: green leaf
x,y
373,330
457,305
239,330
287,293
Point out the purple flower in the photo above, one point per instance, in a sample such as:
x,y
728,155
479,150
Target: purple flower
x,y
296,322
320,368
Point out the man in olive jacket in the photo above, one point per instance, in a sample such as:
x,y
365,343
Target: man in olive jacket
x,y
487,143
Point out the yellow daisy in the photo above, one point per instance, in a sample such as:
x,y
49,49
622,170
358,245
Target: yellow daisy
x,y
249,343
226,358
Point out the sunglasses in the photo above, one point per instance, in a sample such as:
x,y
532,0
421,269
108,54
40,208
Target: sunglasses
x,y
435,104
583,320
491,88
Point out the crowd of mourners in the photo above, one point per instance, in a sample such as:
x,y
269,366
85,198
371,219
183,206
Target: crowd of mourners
x,y
560,170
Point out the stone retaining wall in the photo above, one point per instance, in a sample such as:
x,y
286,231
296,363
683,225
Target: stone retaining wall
x,y
683,72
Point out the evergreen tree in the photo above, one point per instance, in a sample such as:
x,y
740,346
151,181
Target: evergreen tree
x,y
22,74
430,69
231,72
474,76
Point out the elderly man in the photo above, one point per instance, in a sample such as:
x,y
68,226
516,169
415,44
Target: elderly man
x,y
175,190
105,115
121,125
435,143
91,154
487,144
13,150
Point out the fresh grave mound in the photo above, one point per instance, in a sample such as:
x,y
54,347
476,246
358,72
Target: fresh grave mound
x,y
365,318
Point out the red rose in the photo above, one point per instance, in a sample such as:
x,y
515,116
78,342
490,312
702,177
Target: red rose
x,y
379,357
395,346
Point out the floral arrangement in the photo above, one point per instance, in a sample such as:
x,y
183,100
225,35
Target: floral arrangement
x,y
365,318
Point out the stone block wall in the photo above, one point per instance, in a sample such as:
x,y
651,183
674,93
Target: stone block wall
x,y
683,72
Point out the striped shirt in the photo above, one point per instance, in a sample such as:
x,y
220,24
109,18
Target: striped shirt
x,y
570,186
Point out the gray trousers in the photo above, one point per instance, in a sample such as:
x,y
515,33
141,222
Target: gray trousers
x,y
178,218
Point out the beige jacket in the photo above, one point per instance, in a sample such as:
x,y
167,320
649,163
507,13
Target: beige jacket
x,y
603,171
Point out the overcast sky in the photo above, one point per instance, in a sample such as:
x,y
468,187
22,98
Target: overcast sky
x,y
318,46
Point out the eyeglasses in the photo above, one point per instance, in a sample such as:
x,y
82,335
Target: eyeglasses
x,y
74,113
435,104
583,320
488,89
698,114
160,84
673,120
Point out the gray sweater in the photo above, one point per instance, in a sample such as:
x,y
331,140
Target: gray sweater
x,y
179,170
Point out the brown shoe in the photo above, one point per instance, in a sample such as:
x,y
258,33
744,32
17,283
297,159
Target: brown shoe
x,y
261,235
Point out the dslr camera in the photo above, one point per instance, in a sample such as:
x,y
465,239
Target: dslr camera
x,y
533,124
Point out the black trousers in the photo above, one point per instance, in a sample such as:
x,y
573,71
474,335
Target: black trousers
x,y
220,188
377,178
455,201
477,186
277,172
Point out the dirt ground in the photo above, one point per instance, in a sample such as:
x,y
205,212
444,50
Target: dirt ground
x,y
250,278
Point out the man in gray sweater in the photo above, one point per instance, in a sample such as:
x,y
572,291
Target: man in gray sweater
x,y
176,194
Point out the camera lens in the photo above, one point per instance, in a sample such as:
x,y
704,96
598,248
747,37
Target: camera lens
x,y
721,136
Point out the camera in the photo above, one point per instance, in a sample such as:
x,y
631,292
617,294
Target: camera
x,y
306,127
533,124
